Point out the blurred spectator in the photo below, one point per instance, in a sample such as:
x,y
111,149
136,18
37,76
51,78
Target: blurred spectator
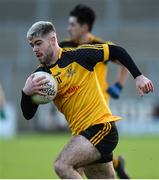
x,y
8,123
155,112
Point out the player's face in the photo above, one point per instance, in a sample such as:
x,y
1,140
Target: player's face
x,y
42,48
75,29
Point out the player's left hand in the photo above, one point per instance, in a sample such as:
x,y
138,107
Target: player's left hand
x,y
115,90
143,85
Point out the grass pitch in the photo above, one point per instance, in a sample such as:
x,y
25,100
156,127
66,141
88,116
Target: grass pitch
x,y
32,156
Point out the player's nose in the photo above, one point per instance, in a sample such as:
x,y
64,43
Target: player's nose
x,y
35,49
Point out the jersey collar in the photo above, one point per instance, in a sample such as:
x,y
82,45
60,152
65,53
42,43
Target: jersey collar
x,y
60,53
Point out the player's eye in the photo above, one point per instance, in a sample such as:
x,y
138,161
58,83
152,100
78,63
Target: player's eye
x,y
38,43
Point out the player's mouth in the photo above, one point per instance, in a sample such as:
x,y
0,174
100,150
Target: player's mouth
x,y
38,55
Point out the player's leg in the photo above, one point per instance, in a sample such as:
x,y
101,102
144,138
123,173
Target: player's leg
x,y
100,171
118,163
93,145
119,166
106,146
80,171
77,153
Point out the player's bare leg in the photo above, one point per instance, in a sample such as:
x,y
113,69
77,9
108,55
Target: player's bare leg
x,y
80,171
77,153
100,171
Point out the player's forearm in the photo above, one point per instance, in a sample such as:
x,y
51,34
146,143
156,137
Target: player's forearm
x,y
122,75
28,108
116,52
2,96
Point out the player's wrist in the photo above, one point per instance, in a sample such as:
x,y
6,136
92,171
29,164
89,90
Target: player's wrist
x,y
140,76
118,85
24,92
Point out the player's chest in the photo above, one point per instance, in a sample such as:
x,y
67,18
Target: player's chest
x,y
70,76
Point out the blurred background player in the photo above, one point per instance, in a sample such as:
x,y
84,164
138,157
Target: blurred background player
x,y
2,103
8,120
80,24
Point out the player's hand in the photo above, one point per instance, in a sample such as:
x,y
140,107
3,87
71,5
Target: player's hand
x,y
115,90
35,85
143,85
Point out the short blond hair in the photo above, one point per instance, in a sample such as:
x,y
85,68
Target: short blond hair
x,y
39,29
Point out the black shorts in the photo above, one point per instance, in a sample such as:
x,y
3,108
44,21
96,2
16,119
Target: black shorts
x,y
104,137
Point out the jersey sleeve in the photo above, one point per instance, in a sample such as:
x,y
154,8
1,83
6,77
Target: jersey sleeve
x,y
27,106
90,55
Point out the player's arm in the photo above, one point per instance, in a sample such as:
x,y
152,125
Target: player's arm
x,y
2,96
122,76
91,55
32,86
28,108
143,84
115,90
2,103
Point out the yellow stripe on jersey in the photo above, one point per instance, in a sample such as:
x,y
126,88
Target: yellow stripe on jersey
x,y
104,134
60,53
106,52
98,47
101,134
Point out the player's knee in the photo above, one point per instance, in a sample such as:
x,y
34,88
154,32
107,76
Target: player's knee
x,y
60,167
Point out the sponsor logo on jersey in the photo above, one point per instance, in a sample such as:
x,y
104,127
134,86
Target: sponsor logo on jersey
x,y
70,72
57,74
70,90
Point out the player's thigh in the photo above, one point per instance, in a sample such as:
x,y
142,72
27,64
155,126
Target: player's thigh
x,y
78,152
104,137
99,171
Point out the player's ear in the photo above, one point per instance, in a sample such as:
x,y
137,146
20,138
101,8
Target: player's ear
x,y
52,40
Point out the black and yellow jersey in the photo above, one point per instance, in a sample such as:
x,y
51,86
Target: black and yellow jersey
x,y
100,68
79,95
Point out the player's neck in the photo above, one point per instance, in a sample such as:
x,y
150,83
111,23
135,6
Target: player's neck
x,y
86,38
57,51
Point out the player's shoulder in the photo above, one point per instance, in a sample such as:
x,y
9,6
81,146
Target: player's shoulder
x,y
110,43
67,43
90,46
97,40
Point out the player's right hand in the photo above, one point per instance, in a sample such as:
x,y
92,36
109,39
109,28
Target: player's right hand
x,y
35,85
143,85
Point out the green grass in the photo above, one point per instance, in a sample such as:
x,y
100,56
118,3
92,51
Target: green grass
x,y
142,156
32,156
